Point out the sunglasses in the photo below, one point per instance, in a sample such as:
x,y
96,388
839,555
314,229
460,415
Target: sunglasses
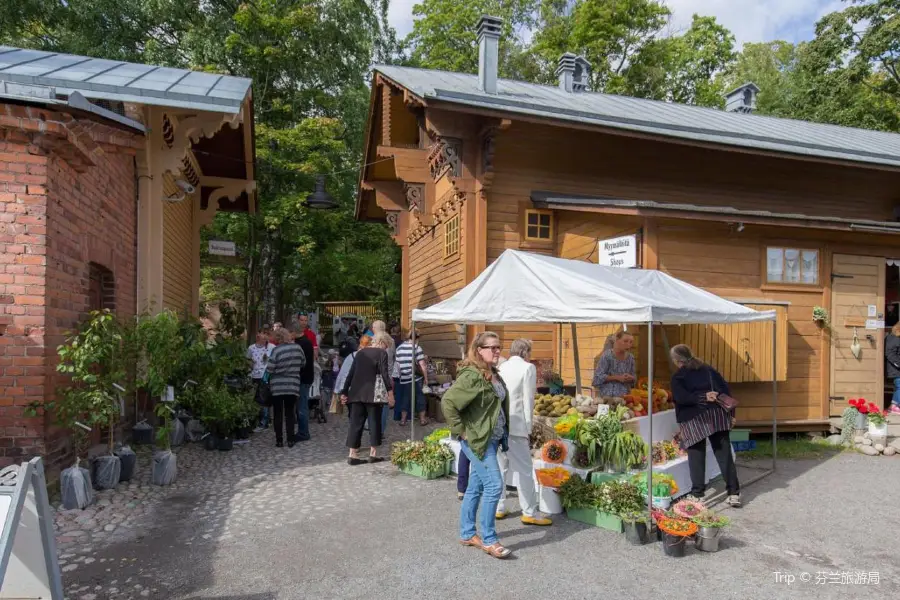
x,y
491,348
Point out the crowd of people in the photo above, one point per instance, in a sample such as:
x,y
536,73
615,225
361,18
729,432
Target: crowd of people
x,y
489,408
370,374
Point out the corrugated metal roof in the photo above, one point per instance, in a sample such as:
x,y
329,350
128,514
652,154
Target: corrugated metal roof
x,y
655,117
100,79
552,199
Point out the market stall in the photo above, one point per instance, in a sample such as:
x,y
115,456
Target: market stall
x,y
521,287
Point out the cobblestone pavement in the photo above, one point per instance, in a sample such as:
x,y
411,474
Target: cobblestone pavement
x,y
266,523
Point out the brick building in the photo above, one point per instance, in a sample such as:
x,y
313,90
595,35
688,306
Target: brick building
x,y
108,172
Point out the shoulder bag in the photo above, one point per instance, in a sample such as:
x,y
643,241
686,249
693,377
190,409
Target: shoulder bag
x,y
724,400
381,393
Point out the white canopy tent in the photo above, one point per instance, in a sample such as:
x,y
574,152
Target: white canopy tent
x,y
522,287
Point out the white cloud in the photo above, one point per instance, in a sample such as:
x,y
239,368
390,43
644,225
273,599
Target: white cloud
x,y
749,20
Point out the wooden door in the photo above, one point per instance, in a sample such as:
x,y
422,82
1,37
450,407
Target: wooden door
x,y
857,282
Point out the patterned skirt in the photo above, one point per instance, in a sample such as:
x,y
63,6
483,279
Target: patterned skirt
x,y
713,419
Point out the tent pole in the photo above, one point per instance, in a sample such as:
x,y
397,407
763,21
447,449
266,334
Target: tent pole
x,y
650,418
774,392
577,361
412,385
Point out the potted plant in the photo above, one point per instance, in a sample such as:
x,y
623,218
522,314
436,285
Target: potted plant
x,y
664,487
862,418
878,428
161,345
820,317
599,504
95,360
588,434
428,461
635,526
710,527
675,532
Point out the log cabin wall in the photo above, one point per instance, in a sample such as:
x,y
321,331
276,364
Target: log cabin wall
x,y
712,255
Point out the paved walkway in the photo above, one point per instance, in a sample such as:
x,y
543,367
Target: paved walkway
x,y
261,523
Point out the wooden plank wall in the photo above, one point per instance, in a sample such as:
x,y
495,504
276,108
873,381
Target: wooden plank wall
x,y
178,258
433,279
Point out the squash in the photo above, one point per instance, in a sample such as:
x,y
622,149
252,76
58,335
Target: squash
x,y
554,452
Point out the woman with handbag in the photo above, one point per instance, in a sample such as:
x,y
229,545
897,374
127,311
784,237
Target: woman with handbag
x,y
704,410
367,390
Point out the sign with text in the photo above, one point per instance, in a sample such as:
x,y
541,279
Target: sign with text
x,y
220,248
619,252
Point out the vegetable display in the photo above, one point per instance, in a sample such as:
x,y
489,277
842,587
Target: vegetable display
x,y
587,438
546,405
626,450
554,452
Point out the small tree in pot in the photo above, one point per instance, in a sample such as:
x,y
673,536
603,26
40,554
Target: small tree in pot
x,y
161,343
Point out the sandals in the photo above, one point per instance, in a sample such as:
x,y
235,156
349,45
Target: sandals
x,y
497,550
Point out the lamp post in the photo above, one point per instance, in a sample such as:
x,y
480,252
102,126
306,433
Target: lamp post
x,y
321,199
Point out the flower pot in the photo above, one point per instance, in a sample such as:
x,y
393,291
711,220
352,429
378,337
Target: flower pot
x,y
548,501
878,432
142,434
242,433
417,470
105,472
165,467
862,421
673,545
129,461
708,539
210,442
225,444
596,518
636,533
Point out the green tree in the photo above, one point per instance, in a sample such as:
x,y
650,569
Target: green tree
x,y
771,66
611,33
683,68
444,34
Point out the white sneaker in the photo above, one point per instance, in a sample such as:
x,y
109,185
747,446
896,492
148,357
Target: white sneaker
x,y
734,501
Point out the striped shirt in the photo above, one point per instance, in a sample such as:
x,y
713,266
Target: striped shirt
x,y
284,368
404,361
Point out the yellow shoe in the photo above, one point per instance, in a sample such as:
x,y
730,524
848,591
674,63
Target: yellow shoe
x,y
539,521
499,515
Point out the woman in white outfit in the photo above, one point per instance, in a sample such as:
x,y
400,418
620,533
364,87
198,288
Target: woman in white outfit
x,y
520,377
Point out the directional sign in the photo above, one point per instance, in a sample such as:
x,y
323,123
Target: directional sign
x,y
222,248
619,252
28,564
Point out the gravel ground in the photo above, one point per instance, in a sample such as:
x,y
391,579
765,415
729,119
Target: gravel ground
x,y
262,523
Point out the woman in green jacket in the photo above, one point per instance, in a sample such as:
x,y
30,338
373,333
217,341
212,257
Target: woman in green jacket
x,y
477,409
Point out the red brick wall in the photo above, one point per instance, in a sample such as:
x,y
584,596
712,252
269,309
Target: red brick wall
x,y
67,199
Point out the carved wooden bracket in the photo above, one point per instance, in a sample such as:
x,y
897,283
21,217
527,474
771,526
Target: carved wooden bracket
x,y
415,196
449,206
180,132
393,221
445,156
231,191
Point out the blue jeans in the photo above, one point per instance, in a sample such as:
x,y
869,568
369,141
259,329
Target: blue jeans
x,y
485,487
896,399
303,413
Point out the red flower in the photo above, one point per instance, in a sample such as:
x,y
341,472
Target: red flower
x,y
873,408
862,408
854,403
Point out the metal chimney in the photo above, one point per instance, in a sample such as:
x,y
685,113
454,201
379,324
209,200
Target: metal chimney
x,y
742,99
566,72
488,53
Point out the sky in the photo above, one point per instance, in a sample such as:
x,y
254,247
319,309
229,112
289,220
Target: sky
x,y
748,20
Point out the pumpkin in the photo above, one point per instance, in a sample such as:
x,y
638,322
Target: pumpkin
x,y
554,452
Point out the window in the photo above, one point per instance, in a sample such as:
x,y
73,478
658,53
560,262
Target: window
x,y
101,288
792,265
451,236
538,225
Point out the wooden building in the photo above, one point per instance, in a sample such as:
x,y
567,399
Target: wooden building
x,y
774,213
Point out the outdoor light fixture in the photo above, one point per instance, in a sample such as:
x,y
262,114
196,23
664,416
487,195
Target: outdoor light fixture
x,y
320,198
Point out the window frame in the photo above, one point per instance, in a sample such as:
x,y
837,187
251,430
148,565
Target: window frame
x,y
453,223
551,227
784,246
